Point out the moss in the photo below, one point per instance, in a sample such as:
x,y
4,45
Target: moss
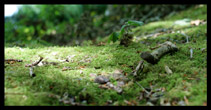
x,y
196,12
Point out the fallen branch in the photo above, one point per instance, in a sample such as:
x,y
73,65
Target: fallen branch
x,y
7,60
186,100
11,61
31,73
48,63
154,57
35,63
143,88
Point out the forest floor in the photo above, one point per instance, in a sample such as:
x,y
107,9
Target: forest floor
x,y
70,80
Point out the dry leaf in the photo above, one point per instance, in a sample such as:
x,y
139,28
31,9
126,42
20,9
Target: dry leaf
x,y
205,104
125,73
196,22
81,67
51,87
174,103
186,100
163,89
130,103
157,34
12,61
66,68
92,74
101,44
118,71
103,86
165,102
191,78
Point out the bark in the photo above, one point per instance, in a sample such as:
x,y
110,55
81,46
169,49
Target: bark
x,y
155,56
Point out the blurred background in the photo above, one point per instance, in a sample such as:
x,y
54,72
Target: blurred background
x,y
72,24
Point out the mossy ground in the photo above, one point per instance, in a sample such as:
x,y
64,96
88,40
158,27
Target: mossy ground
x,y
189,78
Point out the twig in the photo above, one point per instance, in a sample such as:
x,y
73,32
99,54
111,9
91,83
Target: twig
x,y
191,53
13,60
31,67
46,62
152,48
35,63
142,88
31,71
139,67
186,37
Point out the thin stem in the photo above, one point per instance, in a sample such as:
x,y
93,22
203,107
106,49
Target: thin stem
x,y
142,87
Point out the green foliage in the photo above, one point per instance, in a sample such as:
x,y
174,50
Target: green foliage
x,y
114,37
125,28
135,23
53,23
63,24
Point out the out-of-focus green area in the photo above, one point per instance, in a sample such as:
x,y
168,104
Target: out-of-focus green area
x,y
72,24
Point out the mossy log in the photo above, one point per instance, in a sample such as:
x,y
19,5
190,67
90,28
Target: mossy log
x,y
154,57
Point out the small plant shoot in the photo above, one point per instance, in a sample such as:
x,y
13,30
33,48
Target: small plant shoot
x,y
125,29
